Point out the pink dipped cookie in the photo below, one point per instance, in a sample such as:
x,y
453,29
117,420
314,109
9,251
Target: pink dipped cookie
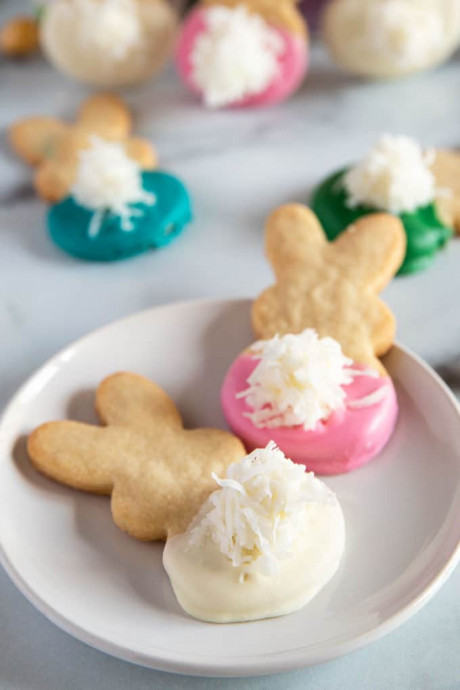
x,y
322,410
314,382
243,53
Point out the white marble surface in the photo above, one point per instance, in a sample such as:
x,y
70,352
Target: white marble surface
x,y
238,166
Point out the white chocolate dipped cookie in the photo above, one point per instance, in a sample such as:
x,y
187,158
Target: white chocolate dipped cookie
x,y
387,39
264,543
108,43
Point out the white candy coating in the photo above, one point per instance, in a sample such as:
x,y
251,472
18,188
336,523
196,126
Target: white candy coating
x,y
108,43
262,545
390,38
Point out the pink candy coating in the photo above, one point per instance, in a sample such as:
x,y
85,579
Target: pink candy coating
x,y
293,62
349,438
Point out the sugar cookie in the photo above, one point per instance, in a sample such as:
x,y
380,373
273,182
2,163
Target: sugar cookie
x,y
446,170
53,146
19,37
157,473
331,286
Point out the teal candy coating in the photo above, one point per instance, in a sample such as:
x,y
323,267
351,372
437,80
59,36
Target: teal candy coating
x,y
426,234
68,223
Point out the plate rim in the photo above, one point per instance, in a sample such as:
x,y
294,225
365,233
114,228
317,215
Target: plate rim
x,y
248,666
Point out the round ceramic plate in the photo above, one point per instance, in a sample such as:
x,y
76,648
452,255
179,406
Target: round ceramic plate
x,y
62,550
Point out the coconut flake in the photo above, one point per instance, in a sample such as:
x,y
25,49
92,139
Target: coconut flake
x,y
236,56
368,400
108,179
371,373
297,381
254,516
395,176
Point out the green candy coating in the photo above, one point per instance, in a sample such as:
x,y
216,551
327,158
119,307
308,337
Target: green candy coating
x,y
426,234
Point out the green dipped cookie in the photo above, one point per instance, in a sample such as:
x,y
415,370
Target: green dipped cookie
x,y
426,233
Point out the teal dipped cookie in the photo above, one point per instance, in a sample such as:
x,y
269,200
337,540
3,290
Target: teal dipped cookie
x,y
103,235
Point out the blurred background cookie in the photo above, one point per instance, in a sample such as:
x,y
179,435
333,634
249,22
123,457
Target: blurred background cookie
x,y
251,53
108,43
53,146
19,37
391,38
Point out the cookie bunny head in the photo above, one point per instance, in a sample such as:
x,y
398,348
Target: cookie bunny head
x,y
157,472
52,147
281,13
331,286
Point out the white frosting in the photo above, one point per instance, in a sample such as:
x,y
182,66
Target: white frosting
x,y
253,518
262,545
236,56
107,179
297,381
395,176
402,31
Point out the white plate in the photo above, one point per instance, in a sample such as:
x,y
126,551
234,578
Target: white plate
x,y
62,550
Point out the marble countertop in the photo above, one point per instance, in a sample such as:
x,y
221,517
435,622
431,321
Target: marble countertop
x,y
238,166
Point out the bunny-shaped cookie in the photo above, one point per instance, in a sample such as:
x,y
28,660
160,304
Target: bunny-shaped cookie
x,y
157,473
331,287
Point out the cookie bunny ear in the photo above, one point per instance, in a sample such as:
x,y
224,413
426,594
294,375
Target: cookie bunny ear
x,y
74,454
34,139
52,180
130,400
107,115
281,13
371,250
141,151
293,237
